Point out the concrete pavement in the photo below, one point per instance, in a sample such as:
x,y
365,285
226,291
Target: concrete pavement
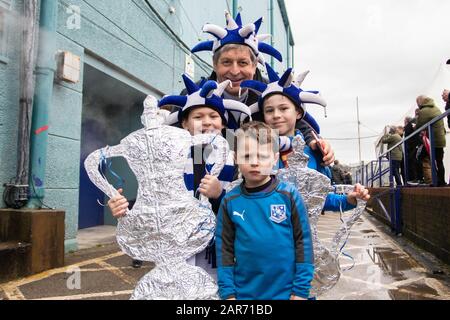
x,y
382,269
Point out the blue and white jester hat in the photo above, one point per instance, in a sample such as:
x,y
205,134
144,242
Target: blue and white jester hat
x,y
208,94
237,34
287,87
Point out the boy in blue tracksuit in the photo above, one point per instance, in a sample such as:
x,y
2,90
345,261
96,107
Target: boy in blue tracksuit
x,y
263,240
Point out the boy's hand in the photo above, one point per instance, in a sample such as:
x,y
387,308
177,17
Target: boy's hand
x,y
210,187
327,152
294,297
359,192
118,205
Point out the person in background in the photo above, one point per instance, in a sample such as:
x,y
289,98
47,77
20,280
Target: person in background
x,y
337,173
427,112
401,132
446,98
396,155
411,145
348,177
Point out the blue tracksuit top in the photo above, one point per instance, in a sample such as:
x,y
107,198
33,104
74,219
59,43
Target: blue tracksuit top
x,y
333,202
263,244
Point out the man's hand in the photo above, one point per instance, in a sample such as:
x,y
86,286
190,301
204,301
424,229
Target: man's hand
x,y
210,187
294,297
328,153
359,192
118,205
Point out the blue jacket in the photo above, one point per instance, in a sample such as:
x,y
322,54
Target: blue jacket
x,y
263,244
333,202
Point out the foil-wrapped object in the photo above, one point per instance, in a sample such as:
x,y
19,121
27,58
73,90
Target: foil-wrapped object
x,y
314,188
167,225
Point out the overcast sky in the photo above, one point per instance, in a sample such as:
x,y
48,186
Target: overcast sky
x,y
386,52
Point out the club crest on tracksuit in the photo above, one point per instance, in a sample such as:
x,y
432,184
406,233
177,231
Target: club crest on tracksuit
x,y
278,213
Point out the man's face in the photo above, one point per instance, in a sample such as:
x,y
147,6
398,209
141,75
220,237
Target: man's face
x,y
203,120
235,65
255,160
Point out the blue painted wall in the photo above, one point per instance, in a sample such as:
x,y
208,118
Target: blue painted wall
x,y
130,42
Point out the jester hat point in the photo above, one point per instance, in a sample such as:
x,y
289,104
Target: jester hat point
x,y
236,33
207,94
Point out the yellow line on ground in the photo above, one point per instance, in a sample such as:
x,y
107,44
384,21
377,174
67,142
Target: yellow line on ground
x,y
361,263
89,295
441,289
14,294
391,286
118,272
406,282
108,269
10,287
369,284
424,295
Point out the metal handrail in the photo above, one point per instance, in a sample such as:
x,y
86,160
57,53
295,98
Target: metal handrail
x,y
396,216
425,126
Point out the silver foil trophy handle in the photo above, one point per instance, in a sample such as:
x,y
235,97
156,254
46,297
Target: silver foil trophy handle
x,y
219,154
92,164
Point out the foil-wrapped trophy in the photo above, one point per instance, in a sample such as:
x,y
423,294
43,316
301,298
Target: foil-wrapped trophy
x,y
166,225
314,187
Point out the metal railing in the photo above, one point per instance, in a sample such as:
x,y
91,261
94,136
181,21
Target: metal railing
x,y
376,174
363,171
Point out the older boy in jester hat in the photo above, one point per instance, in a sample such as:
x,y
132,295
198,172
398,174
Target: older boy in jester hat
x,y
282,104
203,110
263,240
237,49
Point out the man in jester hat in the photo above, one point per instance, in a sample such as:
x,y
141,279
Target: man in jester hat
x,y
237,49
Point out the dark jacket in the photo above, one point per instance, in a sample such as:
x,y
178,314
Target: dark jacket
x,y
337,174
413,142
447,106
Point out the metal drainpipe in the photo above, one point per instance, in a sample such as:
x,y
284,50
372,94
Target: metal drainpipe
x,y
16,193
271,29
45,71
292,55
288,51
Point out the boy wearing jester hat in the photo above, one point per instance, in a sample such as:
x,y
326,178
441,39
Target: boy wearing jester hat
x,y
203,110
237,49
282,104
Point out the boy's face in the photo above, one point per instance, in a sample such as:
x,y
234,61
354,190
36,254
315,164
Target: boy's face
x,y
203,120
280,114
255,160
235,65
